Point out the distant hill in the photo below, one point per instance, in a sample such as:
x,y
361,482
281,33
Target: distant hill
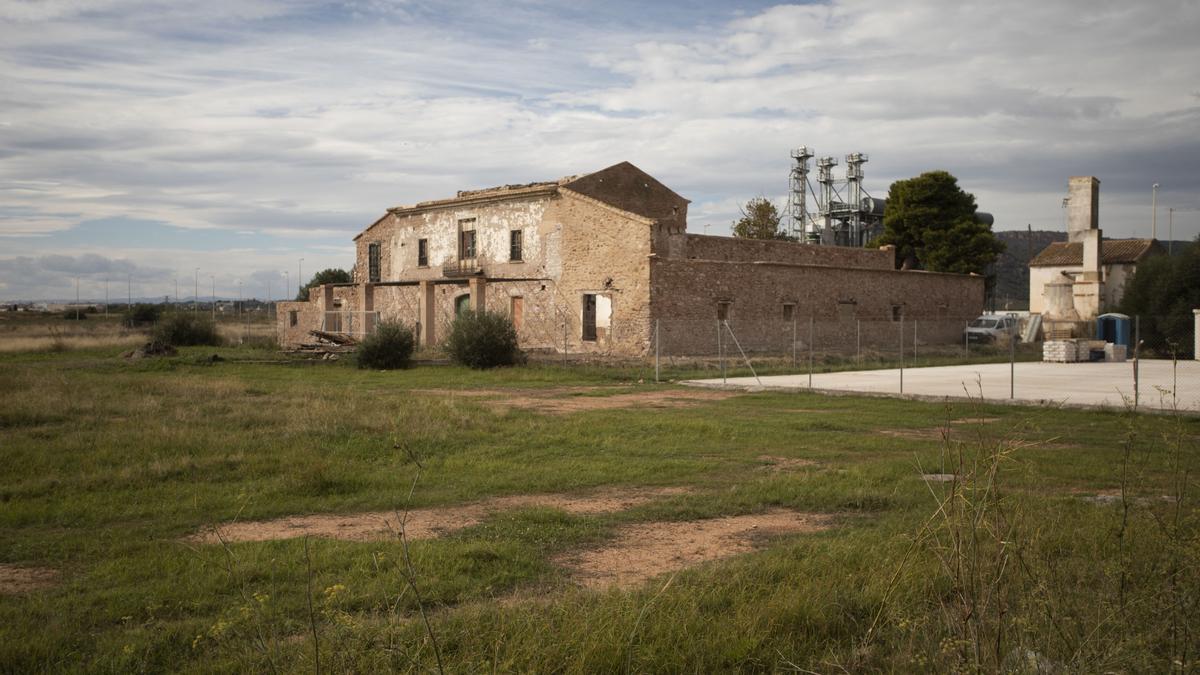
x,y
1012,268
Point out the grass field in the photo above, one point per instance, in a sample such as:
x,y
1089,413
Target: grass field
x,y
1050,539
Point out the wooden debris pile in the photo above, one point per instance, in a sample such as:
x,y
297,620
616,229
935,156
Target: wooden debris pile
x,y
327,345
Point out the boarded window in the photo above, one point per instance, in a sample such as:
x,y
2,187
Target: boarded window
x,y
422,253
789,311
516,309
373,263
514,246
722,311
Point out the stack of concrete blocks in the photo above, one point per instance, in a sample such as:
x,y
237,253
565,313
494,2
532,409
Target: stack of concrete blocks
x,y
1077,350
1060,351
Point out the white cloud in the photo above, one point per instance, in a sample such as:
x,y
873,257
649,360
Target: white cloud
x,y
304,120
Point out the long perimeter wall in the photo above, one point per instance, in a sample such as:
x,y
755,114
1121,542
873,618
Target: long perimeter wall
x,y
767,303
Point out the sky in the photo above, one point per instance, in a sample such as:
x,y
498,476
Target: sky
x,y
150,145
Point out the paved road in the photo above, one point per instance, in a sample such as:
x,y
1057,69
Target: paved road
x,y
1075,384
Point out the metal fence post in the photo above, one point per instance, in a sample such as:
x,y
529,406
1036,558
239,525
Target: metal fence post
x,y
858,341
901,353
1012,362
720,352
656,339
793,341
812,326
914,340
1137,348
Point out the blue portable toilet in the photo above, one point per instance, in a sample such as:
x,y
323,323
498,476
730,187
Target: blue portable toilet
x,y
1114,328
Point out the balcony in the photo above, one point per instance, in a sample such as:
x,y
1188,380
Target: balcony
x,y
462,268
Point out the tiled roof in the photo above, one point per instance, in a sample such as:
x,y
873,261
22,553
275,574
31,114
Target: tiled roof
x,y
1112,252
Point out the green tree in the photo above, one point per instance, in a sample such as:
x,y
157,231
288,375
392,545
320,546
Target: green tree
x,y
1162,293
331,275
931,221
760,220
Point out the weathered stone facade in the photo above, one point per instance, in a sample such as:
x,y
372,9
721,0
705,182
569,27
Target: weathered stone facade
x,y
599,259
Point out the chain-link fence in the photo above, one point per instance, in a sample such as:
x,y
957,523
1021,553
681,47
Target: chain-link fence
x,y
1140,361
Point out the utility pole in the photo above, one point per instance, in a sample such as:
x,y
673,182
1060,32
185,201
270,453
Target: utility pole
x,y
106,297
213,278
177,288
270,301
76,298
1154,211
300,272
196,294
129,291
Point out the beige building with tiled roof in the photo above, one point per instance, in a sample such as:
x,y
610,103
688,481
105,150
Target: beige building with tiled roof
x,y
1079,279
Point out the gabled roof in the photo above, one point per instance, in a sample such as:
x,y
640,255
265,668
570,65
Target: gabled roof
x,y
1112,252
622,186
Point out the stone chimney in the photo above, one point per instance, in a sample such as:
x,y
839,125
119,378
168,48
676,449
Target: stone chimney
x,y
1083,207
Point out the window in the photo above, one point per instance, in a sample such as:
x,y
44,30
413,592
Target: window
x,y
462,304
514,246
789,311
422,253
896,313
589,317
292,317
466,239
373,263
723,311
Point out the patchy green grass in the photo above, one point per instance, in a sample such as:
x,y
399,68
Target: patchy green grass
x,y
109,465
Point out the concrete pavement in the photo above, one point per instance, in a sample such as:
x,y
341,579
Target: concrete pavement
x,y
1107,385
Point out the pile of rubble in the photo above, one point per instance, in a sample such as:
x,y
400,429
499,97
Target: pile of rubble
x,y
327,345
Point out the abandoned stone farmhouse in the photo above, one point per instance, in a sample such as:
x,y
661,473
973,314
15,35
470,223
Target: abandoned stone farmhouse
x,y
591,264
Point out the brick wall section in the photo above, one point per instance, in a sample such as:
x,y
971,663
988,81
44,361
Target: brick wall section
x,y
733,249
685,294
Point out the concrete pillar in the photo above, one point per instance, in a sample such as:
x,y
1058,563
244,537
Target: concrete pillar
x,y
478,288
1196,333
425,313
368,307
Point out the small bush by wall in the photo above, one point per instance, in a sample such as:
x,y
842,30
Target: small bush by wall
x,y
141,314
184,329
388,348
483,340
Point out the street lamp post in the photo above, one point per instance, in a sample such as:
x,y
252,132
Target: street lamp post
x,y
196,294
128,291
300,272
106,297
213,278
76,298
1154,211
287,283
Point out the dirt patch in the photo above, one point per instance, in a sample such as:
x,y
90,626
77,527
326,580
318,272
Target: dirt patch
x,y
936,433
776,464
646,550
423,523
975,420
939,477
565,400
18,579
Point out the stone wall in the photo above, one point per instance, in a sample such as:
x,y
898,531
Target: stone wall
x,y
606,252
686,295
734,249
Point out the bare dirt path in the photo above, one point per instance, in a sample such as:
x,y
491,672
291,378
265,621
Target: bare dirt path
x,y
565,400
424,523
17,579
647,550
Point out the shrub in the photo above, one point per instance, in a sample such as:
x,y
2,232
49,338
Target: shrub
x,y
388,348
183,329
483,340
141,314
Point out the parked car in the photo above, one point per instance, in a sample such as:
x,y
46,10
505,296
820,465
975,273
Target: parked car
x,y
989,329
